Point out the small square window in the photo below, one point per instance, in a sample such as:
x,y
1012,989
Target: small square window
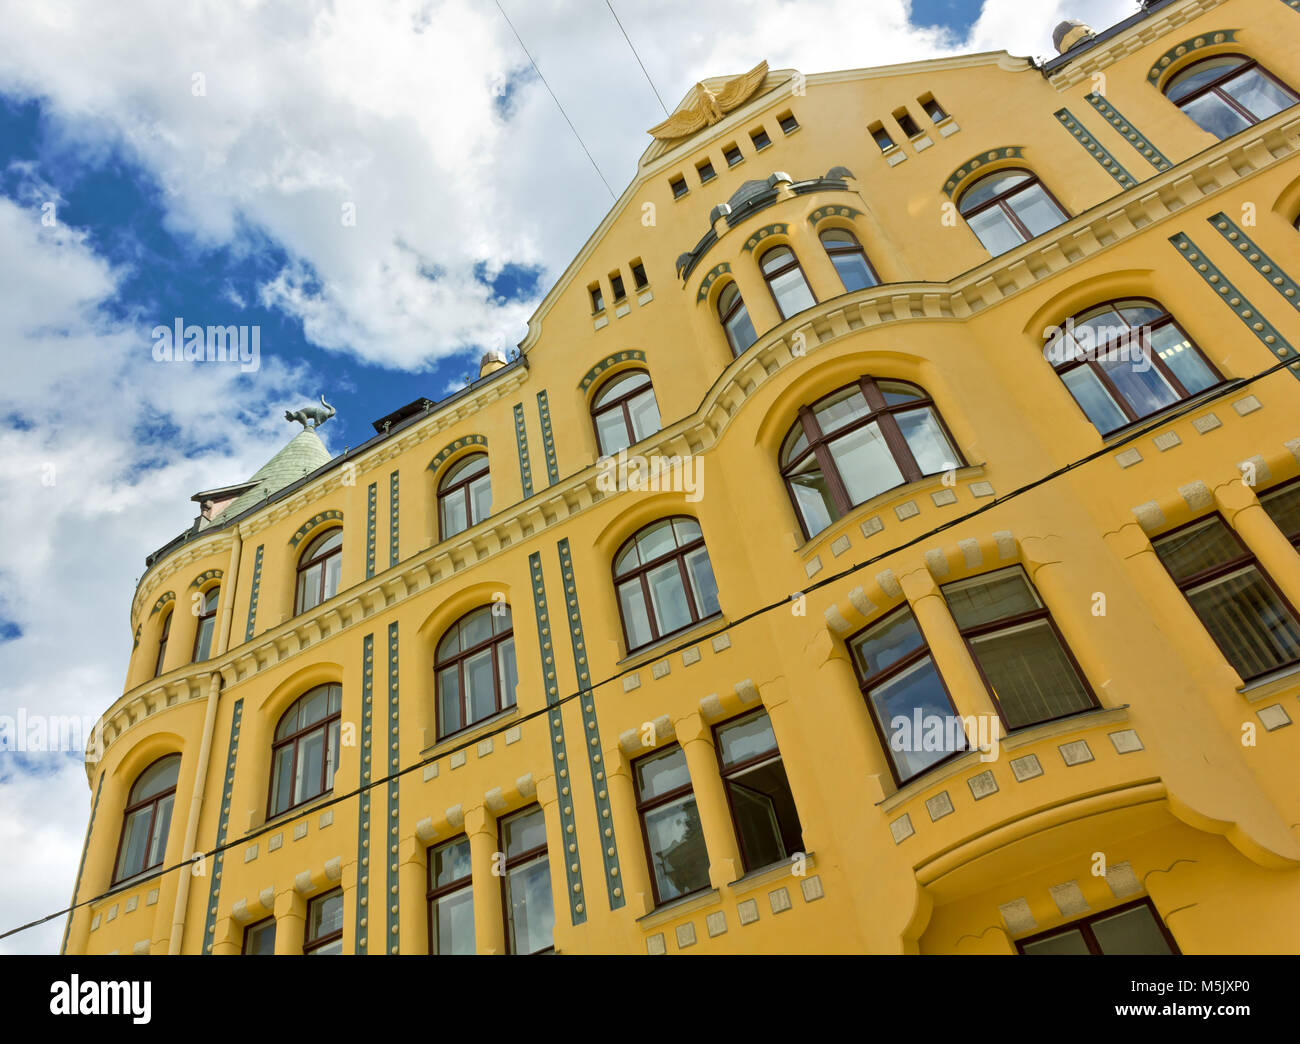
x,y
932,108
760,139
638,274
616,284
597,297
788,123
678,185
906,123
881,137
732,154
706,172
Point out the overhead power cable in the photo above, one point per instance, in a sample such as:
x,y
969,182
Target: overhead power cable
x,y
637,57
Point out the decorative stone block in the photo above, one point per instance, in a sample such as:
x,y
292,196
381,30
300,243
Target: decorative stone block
x,y
835,620
485,747
1274,717
1006,543
152,898
1247,405
716,923
655,946
141,948
326,818
300,830
1196,495
1260,467
1122,880
779,899
1128,457
943,497
526,785
495,800
94,923
455,816
981,489
813,567
840,544
1026,767
250,853
871,526
747,691
1167,440
889,583
983,785
937,562
906,510
112,914
970,552
1206,424
1149,516
275,842
1016,916
902,828
660,669
690,656
720,642
812,888
513,735
631,681
430,771
131,904
747,911
1126,741
685,935
457,759
859,600
1069,899
938,806
1076,753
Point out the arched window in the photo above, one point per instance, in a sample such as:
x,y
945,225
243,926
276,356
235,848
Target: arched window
x,y
207,624
1125,360
464,495
624,411
475,668
146,819
164,635
849,259
1009,207
319,570
785,279
734,317
860,441
1228,93
305,750
664,581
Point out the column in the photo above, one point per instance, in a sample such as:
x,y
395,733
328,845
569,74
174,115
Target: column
x,y
489,927
965,685
632,858
291,922
696,739
1274,552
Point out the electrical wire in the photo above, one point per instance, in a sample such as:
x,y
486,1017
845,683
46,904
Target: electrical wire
x,y
637,57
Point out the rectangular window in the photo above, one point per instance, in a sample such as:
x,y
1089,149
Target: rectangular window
x,y
760,139
788,123
324,925
1028,670
638,274
932,108
597,298
705,171
259,938
1134,929
905,123
526,883
616,284
1254,627
732,154
881,136
758,792
451,899
670,822
1283,507
679,187
909,702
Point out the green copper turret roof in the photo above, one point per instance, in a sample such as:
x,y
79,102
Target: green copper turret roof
x,y
303,455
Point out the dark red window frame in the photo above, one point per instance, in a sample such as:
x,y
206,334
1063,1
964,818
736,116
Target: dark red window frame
x,y
296,739
132,808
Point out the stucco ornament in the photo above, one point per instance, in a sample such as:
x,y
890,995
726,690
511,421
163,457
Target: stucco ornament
x,y
312,416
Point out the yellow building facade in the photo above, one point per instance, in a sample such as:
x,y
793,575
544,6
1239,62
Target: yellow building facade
x,y
941,601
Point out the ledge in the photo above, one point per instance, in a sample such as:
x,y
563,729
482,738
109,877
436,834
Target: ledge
x,y
704,629
466,736
765,875
661,915
1278,683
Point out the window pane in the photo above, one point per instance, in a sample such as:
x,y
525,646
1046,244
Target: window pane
x,y
703,586
656,540
480,685
448,863
661,773
259,940
635,617
864,462
686,531
767,823
1213,114
135,842
326,916
791,292
896,392
1283,507
330,950
1197,548
1133,932
1172,345
1200,74
507,672
621,385
1030,675
795,443
812,494
159,776
668,597
162,820
449,700
480,499
740,331
991,186
926,440
887,642
840,409
1094,399
453,923
995,231
678,856
313,707
281,774
916,698
1250,623
331,754
528,898
470,465
1071,942
746,739
524,833
311,750
309,587
204,647
611,430
995,596
476,628
1143,387
1258,94
853,270
1035,208
454,519
645,414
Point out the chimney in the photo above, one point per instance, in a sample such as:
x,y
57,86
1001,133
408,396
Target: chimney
x,y
1070,33
492,361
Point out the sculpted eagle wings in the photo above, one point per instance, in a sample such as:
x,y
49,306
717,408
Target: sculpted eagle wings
x,y
708,106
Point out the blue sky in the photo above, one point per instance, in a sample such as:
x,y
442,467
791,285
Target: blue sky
x,y
162,161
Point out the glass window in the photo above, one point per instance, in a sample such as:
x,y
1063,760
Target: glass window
x,y
147,819
1008,208
475,668
1283,507
624,411
259,938
464,495
207,623
909,703
758,792
451,899
1126,360
664,581
324,925
679,862
1254,627
319,570
164,636
1134,929
526,883
305,750
849,259
858,442
788,123
735,319
1028,670
1229,93
785,279
761,139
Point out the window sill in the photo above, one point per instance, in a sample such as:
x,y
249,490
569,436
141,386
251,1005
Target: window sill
x,y
765,875
670,911
646,653
1270,685
1171,412
292,813
470,733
